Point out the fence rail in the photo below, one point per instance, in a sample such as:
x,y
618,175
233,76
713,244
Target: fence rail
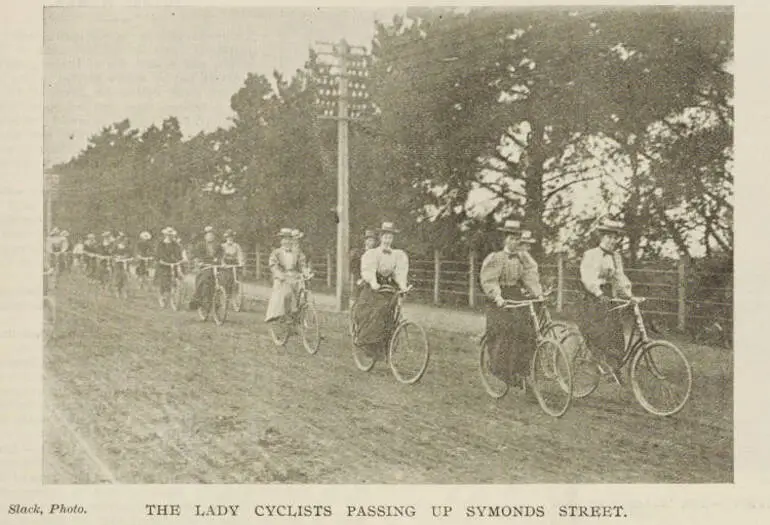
x,y
678,296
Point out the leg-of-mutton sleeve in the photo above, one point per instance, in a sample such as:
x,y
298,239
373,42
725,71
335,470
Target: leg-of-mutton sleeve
x,y
530,275
590,268
489,275
275,265
621,284
401,271
369,266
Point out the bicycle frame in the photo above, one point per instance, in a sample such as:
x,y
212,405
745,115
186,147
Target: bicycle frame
x,y
638,336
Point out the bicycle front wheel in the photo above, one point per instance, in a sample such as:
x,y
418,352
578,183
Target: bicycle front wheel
x,y
49,319
219,305
661,378
279,331
494,386
311,330
408,353
237,298
176,294
551,377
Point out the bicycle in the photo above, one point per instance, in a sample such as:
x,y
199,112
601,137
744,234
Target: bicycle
x,y
407,367
236,295
176,292
120,274
217,304
144,279
49,308
549,363
305,319
638,356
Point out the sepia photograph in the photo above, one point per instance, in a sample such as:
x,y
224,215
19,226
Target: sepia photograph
x,y
425,245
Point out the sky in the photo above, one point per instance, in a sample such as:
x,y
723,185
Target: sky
x,y
102,65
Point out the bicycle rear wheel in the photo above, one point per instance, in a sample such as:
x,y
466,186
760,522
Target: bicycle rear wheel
x,y
408,353
311,330
661,378
494,386
363,356
219,305
551,377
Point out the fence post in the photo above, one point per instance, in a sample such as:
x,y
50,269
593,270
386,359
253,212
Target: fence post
x,y
328,269
257,266
681,292
560,281
436,276
472,279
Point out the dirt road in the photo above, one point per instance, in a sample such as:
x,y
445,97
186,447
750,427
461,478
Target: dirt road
x,y
135,394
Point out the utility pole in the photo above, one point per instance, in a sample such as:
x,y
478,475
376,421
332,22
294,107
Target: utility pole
x,y
343,187
339,96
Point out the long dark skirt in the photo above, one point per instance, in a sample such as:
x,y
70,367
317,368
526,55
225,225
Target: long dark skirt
x,y
510,338
373,315
601,328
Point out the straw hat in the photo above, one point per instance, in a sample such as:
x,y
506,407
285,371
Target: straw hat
x,y
387,227
610,226
285,232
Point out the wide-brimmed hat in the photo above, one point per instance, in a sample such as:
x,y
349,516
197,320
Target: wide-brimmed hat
x,y
387,227
296,234
610,226
511,226
91,236
228,234
370,234
526,237
106,234
286,232
208,229
65,233
54,231
121,235
168,230
145,235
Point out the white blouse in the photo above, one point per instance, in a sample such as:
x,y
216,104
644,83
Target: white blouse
x,y
392,262
599,268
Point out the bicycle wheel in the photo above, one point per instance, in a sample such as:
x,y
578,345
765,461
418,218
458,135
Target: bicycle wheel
x,y
219,305
237,297
49,319
177,294
279,331
363,357
585,370
311,329
661,378
408,353
494,386
551,377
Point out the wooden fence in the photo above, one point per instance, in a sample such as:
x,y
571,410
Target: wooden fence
x,y
679,295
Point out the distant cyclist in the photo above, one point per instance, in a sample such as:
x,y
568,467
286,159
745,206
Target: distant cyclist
x,y
144,254
208,252
168,252
232,254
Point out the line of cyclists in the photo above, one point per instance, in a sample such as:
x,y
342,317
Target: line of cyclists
x,y
111,261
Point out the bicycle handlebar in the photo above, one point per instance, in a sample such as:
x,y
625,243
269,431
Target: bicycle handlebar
x,y
387,288
627,302
510,303
164,263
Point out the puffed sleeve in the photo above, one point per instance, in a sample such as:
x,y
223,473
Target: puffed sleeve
x,y
241,257
621,284
530,275
590,267
369,266
402,269
275,265
489,276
